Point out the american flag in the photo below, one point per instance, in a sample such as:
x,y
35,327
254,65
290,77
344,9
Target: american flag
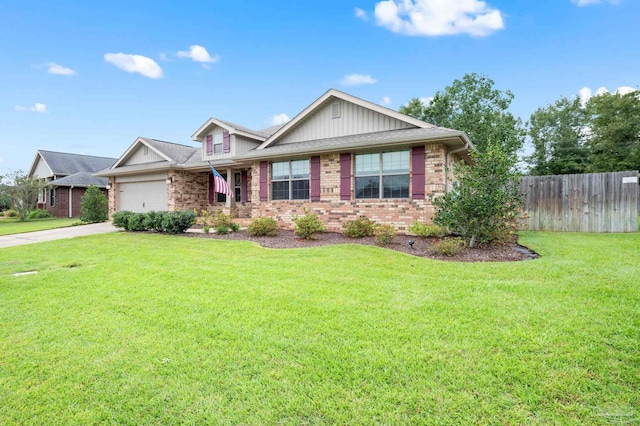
x,y
220,185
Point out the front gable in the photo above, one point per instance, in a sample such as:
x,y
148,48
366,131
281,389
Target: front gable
x,y
40,169
337,114
141,152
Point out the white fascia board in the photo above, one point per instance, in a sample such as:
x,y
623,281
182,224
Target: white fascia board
x,y
199,135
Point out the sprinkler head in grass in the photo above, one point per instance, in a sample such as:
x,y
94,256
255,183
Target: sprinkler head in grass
x,y
411,243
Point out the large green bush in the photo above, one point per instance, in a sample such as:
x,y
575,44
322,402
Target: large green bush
x,y
38,214
485,201
308,226
263,227
359,228
169,222
94,205
121,219
385,234
178,222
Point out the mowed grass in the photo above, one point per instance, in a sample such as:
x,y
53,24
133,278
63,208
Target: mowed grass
x,y
13,226
150,329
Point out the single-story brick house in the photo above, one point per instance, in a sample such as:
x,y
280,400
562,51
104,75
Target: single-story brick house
x,y
341,157
67,177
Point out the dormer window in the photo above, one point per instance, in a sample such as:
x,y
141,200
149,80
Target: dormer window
x,y
214,143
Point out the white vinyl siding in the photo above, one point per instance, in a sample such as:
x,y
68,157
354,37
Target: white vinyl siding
x,y
240,144
42,170
353,120
139,157
217,132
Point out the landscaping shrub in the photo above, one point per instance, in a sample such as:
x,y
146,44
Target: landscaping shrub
x,y
430,231
178,222
385,234
263,227
235,227
153,221
11,213
448,246
121,219
94,205
484,202
359,228
222,230
221,219
308,226
38,214
136,222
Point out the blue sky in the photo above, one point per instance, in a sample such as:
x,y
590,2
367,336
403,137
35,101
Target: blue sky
x,y
65,85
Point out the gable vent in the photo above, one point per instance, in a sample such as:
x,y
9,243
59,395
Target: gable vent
x,y
335,110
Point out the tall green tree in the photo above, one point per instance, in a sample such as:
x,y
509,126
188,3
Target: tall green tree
x,y
614,125
23,191
94,205
557,133
474,106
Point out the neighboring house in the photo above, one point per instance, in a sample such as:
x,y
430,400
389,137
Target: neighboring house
x,y
341,157
67,177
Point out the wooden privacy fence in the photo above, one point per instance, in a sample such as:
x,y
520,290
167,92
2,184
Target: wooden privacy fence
x,y
594,202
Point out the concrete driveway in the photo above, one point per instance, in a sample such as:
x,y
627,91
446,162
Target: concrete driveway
x,y
56,234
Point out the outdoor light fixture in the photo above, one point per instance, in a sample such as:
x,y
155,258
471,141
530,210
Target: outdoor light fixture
x,y
169,180
108,186
411,243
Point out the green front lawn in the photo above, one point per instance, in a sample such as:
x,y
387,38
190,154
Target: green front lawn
x,y
13,226
151,329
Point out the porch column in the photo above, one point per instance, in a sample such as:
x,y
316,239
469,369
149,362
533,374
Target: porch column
x,y
231,202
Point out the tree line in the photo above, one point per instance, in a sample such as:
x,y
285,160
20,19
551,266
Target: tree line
x,y
568,136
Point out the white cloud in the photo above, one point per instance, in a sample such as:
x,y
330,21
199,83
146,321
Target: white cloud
x,y
438,17
198,54
279,119
59,69
586,93
426,101
135,63
581,3
386,101
39,108
361,14
357,79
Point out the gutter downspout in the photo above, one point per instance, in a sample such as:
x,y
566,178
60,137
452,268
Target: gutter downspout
x,y
71,201
446,164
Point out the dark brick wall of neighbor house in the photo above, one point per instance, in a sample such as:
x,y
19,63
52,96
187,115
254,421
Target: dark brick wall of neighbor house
x,y
61,209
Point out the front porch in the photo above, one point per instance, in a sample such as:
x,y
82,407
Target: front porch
x,y
193,190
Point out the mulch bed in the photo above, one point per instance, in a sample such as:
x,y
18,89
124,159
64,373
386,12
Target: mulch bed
x,y
422,247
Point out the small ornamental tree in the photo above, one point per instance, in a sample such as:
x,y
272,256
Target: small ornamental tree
x,y
93,205
485,201
22,190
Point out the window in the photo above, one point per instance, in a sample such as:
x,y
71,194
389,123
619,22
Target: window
x,y
52,197
290,180
217,143
222,198
382,175
237,186
214,143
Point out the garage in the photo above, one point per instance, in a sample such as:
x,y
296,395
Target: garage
x,y
143,193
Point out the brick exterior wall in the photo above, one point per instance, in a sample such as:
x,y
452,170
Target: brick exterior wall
x,y
333,212
61,209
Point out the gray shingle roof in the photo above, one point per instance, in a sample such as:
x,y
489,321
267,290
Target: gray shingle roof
x,y
271,130
81,179
177,152
353,141
62,163
259,133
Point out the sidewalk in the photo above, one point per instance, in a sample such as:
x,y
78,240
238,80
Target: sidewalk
x,y
56,234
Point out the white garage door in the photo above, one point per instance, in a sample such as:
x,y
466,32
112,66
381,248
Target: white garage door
x,y
142,197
